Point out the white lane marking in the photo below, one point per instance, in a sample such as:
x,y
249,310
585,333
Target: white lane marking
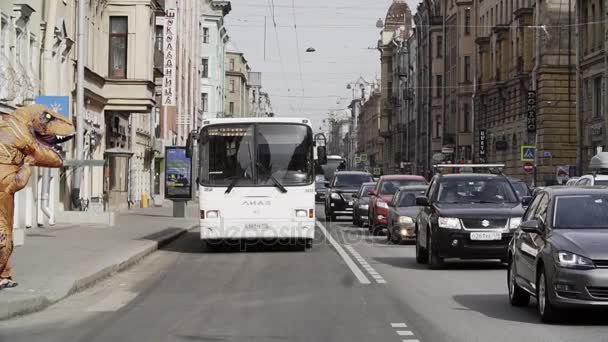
x,y
405,333
377,277
113,302
349,262
398,325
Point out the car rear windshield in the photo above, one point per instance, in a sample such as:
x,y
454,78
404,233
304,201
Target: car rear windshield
x,y
351,180
521,189
480,190
581,212
408,198
389,187
365,190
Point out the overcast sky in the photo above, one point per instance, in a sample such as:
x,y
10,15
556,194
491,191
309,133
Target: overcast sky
x,y
343,32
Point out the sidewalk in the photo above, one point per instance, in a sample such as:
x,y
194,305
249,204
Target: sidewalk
x,y
59,261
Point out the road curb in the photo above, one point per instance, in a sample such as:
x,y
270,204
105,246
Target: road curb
x,y
34,304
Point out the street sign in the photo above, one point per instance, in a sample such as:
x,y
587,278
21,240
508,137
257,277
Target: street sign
x,y
447,150
357,160
531,112
377,171
438,157
547,154
528,152
59,104
482,146
363,157
528,167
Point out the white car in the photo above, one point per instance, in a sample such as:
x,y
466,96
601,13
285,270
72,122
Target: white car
x,y
572,181
591,180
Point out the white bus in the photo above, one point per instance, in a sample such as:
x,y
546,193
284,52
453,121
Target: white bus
x,y
256,180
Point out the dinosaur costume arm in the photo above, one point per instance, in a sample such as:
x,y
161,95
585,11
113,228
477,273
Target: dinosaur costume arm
x,y
18,180
41,156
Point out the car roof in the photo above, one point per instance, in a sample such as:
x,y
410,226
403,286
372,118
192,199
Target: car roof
x,y
401,177
368,184
412,187
557,190
471,175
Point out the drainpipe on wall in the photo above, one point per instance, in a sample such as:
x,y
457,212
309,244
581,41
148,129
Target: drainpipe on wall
x,y
579,94
49,32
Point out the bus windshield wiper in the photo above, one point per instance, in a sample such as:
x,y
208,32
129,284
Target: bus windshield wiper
x,y
233,183
272,178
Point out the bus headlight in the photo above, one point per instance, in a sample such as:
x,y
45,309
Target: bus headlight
x,y
213,214
301,213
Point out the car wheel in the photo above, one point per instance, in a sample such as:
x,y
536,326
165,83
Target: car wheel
x,y
517,295
435,262
421,256
548,313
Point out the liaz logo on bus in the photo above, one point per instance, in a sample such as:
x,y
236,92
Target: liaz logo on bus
x,y
258,203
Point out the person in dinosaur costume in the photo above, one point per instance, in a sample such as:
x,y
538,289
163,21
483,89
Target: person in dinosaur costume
x,y
28,137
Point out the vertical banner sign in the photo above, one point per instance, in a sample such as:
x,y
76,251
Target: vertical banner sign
x,y
170,57
178,173
531,114
482,145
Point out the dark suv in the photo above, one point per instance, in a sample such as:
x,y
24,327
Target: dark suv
x,y
560,252
467,216
340,191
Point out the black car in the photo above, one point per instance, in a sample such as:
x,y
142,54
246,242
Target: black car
x,y
361,204
467,216
403,214
340,191
559,254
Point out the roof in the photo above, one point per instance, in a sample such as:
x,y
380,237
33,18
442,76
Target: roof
x,y
352,173
575,190
401,177
470,175
368,183
413,187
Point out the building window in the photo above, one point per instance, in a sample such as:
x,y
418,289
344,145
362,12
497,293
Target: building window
x,y
118,47
439,47
439,85
467,21
437,126
205,66
206,35
232,86
231,64
597,89
158,40
467,68
205,102
466,118
231,108
593,38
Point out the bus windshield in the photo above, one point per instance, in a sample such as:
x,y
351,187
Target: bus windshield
x,y
256,154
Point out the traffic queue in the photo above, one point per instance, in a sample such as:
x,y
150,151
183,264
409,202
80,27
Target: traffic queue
x,y
554,240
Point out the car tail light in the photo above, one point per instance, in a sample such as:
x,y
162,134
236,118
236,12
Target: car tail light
x,y
311,213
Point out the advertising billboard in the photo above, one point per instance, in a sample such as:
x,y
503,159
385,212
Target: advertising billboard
x,y
178,173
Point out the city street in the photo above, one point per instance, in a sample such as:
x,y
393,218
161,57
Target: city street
x,y
365,290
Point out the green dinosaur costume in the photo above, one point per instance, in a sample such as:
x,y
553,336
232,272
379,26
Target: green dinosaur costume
x,y
28,137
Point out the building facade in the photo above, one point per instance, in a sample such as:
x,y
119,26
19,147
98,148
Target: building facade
x,y
213,39
237,87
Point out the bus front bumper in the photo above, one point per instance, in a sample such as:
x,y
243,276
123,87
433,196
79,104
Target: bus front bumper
x,y
251,229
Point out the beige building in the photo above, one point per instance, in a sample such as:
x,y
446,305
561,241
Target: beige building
x,y
236,103
526,89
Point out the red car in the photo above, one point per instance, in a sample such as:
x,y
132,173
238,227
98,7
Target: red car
x,y
383,194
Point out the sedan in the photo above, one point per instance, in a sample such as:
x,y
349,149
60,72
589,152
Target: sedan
x,y
559,254
403,214
361,204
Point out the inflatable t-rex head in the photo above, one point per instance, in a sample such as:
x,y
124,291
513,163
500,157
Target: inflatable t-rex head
x,y
44,131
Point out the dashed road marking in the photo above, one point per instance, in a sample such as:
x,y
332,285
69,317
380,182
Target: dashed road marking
x,y
408,335
347,259
366,266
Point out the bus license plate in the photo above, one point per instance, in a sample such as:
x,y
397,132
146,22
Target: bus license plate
x,y
486,236
256,226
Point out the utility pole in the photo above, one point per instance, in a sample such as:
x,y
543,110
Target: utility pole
x,y
80,110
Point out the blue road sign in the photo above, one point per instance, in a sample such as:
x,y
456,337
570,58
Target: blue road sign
x,y
528,152
59,104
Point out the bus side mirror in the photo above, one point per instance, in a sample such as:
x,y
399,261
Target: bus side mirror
x,y
322,155
190,143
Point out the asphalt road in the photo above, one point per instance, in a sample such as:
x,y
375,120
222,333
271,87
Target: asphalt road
x,y
362,290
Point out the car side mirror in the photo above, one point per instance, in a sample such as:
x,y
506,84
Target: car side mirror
x,y
525,201
322,155
355,196
422,201
531,226
373,193
326,183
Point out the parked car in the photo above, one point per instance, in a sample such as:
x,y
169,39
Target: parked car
x,y
467,216
560,252
598,163
403,214
361,204
340,191
383,194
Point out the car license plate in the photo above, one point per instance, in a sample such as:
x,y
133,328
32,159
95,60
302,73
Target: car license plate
x,y
350,202
486,236
256,226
